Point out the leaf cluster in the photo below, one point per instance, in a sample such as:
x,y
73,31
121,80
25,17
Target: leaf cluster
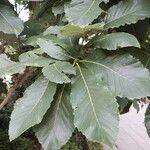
x,y
84,62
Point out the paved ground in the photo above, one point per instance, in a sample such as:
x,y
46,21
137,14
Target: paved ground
x,y
132,134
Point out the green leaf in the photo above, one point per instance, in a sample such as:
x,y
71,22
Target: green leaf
x,y
80,12
57,126
9,67
143,55
9,23
147,120
32,59
114,41
30,109
75,30
93,103
30,55
72,30
33,39
70,44
39,62
127,12
57,72
53,50
52,30
125,75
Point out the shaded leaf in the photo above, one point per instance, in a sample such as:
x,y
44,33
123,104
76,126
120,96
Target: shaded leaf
x,y
57,127
127,12
124,104
30,109
114,41
93,103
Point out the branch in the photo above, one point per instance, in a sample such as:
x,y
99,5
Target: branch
x,y
21,79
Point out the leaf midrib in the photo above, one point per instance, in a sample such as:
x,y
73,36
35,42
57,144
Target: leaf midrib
x,y
59,49
99,64
87,10
26,118
61,74
56,112
58,106
90,97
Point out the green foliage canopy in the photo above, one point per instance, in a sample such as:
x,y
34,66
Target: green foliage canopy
x,y
84,62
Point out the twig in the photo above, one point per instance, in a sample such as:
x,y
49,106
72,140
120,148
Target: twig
x,y
22,78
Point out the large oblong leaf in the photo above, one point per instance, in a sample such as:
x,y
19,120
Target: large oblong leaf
x,y
56,72
80,12
57,126
124,75
9,23
115,40
127,12
53,50
30,109
95,108
9,67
